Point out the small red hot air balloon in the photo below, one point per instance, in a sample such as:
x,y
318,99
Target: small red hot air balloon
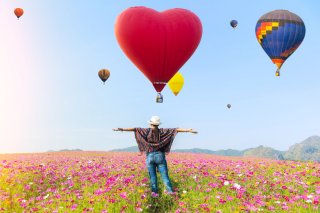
x,y
18,12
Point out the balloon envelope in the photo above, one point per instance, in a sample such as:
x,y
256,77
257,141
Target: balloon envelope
x,y
234,23
176,83
18,12
229,106
158,43
104,74
280,33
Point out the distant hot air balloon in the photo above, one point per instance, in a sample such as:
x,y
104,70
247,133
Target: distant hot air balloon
x,y
104,74
18,12
158,43
280,33
229,106
176,83
234,23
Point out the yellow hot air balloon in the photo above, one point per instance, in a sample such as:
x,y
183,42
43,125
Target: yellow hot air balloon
x,y
176,83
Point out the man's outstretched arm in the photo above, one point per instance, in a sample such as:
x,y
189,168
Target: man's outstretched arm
x,y
187,130
124,129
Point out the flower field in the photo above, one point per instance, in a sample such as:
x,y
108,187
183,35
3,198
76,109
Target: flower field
x,y
118,182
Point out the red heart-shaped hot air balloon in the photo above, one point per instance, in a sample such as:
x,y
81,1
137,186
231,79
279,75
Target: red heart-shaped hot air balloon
x,y
158,43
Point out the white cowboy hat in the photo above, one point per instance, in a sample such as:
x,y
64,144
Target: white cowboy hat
x,y
154,120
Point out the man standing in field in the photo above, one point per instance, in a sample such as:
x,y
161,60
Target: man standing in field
x,y
156,143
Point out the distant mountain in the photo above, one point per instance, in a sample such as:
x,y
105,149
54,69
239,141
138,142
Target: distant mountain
x,y
128,149
195,150
308,149
229,152
265,152
66,150
226,152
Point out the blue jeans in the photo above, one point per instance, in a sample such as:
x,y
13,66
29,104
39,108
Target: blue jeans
x,y
158,160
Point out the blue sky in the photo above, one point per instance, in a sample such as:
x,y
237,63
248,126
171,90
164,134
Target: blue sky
x,y
52,98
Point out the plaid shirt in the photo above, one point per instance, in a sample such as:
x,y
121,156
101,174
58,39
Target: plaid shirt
x,y
148,141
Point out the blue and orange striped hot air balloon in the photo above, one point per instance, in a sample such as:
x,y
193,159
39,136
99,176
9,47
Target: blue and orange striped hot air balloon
x,y
280,33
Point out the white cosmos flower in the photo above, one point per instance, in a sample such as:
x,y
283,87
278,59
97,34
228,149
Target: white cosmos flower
x,y
226,183
237,186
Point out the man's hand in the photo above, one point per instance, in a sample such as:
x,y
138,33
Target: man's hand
x,y
193,131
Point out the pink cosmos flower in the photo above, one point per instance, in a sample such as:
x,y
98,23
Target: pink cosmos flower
x,y
127,180
144,180
271,208
123,195
213,185
27,187
316,200
153,194
222,201
139,209
285,207
229,198
98,192
111,200
74,206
